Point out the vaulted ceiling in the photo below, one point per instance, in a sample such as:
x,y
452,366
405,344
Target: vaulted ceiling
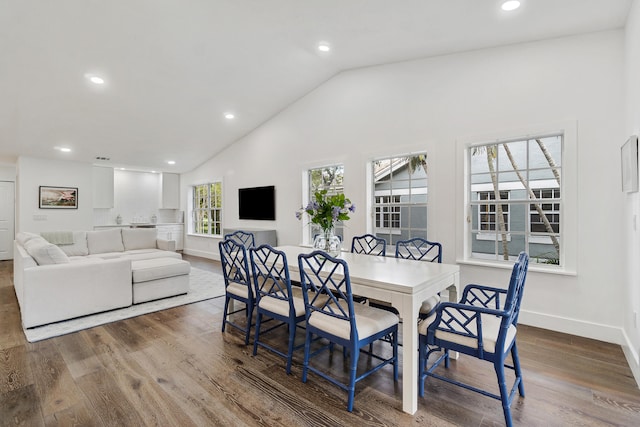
x,y
172,69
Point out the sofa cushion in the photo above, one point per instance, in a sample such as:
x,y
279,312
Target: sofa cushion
x,y
158,268
45,253
23,237
105,241
139,238
79,246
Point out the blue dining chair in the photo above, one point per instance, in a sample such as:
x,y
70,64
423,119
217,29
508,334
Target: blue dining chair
x,y
421,250
483,325
243,237
332,315
369,244
275,298
237,282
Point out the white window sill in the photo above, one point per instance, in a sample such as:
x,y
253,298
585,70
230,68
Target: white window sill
x,y
206,236
508,265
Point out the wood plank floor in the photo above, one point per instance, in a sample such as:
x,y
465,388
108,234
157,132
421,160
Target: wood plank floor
x,y
175,368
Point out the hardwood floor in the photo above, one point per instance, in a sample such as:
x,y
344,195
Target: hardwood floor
x,y
175,368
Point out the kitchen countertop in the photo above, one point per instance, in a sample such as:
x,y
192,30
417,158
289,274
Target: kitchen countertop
x,y
137,224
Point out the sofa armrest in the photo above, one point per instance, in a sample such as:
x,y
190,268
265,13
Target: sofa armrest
x,y
166,245
62,291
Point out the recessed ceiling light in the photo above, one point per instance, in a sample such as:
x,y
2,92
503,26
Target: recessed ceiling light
x,y
171,162
63,149
96,80
153,171
324,47
122,169
229,116
510,5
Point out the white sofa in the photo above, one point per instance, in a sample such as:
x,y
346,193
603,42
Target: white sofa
x,y
92,271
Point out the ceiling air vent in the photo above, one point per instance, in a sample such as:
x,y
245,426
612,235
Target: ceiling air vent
x,y
102,158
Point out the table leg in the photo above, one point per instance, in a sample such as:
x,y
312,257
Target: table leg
x,y
409,314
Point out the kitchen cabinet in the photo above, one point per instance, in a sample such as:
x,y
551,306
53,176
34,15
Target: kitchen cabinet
x,y
102,187
172,232
170,191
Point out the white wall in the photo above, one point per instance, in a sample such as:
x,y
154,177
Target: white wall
x,y
631,213
7,173
431,104
34,172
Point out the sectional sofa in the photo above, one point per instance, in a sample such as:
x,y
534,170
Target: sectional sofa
x,y
79,273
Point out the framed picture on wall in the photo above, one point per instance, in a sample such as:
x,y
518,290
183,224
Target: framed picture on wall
x,y
629,154
58,197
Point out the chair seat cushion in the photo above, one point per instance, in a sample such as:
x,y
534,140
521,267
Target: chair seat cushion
x,y
490,331
239,290
369,321
429,305
281,307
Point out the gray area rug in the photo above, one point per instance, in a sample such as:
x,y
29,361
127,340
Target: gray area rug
x,y
203,285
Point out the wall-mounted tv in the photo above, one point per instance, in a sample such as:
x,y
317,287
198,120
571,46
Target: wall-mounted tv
x,y
257,203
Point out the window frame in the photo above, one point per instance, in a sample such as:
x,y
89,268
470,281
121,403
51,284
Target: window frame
x,y
569,191
406,205
208,209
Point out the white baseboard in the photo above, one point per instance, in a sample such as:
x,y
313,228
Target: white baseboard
x,y
633,359
202,254
581,328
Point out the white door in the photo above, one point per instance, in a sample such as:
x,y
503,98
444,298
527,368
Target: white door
x,y
7,219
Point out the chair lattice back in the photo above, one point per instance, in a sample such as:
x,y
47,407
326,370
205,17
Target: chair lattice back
x,y
235,264
369,244
243,237
326,286
270,274
419,249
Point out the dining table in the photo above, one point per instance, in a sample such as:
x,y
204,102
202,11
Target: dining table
x,y
403,283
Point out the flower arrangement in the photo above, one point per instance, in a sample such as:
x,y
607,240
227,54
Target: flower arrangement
x,y
325,210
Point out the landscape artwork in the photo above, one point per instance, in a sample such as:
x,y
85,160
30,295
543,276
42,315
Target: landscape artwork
x,y
58,198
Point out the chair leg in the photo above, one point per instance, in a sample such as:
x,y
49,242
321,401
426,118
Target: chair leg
x,y
292,338
307,351
422,354
516,366
395,355
256,337
224,313
352,378
249,317
504,393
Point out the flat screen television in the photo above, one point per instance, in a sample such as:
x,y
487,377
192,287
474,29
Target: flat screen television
x,y
257,203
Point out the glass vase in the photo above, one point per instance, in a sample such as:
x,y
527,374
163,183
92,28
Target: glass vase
x,y
328,242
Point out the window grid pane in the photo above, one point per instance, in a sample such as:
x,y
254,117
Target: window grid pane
x,y
400,197
527,176
207,209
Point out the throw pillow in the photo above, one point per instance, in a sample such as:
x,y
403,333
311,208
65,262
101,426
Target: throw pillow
x,y
103,241
79,246
139,238
23,237
45,253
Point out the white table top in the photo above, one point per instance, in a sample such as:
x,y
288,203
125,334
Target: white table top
x,y
399,275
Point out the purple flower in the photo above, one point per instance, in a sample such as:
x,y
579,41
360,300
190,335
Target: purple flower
x,y
298,215
352,208
335,211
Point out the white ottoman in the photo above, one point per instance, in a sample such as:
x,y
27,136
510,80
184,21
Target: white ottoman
x,y
159,278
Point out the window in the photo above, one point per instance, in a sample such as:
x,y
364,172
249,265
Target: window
x,y
330,178
400,197
387,212
515,199
207,209
487,213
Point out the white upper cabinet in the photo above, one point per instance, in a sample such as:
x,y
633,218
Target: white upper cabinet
x,y
170,191
102,187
